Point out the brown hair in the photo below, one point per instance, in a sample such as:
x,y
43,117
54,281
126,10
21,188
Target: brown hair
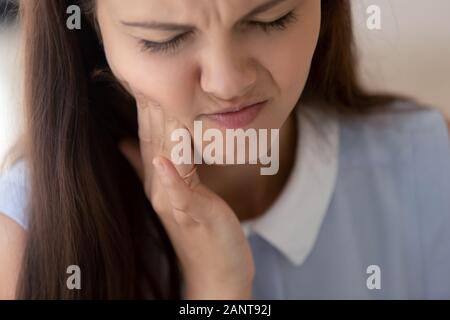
x,y
87,207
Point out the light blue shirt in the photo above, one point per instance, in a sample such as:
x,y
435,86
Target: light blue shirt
x,y
389,211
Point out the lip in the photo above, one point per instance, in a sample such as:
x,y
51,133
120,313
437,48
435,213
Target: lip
x,y
239,117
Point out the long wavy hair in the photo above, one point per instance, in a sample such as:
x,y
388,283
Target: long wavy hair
x,y
87,207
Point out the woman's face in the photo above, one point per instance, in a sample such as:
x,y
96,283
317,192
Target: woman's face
x,y
197,59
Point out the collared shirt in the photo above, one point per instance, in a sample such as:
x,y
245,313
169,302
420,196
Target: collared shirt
x,y
377,227
293,222
382,233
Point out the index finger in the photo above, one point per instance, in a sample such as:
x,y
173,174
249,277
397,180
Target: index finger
x,y
178,148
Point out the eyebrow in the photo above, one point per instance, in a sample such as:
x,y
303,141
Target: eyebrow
x,y
165,26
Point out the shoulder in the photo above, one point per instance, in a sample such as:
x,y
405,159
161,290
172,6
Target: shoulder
x,y
12,246
401,159
407,142
402,130
14,190
13,198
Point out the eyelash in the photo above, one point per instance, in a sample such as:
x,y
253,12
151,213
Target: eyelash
x,y
164,47
279,24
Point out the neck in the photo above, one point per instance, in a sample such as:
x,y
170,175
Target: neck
x,y
243,187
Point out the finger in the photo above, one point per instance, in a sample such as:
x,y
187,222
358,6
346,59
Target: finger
x,y
183,160
130,149
143,117
157,125
145,132
183,199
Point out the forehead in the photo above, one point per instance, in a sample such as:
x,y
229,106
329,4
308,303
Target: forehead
x,y
182,10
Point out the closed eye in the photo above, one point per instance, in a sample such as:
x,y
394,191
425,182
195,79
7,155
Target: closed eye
x,y
173,44
279,24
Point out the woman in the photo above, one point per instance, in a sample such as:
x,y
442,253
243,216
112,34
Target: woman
x,y
356,209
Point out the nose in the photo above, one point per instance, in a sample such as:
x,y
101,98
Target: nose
x,y
227,71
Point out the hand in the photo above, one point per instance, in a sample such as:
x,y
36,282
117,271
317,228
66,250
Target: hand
x,y
208,239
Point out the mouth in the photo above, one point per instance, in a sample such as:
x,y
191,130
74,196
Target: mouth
x,y
239,117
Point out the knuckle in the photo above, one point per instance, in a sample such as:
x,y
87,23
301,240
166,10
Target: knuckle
x,y
144,136
182,218
183,206
158,203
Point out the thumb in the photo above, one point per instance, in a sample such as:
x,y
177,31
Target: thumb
x,y
184,199
131,150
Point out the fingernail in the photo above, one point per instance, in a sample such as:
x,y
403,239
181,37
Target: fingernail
x,y
159,165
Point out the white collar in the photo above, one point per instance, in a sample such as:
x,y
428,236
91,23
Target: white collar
x,y
293,222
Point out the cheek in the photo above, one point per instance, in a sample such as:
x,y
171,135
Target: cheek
x,y
289,61
293,64
162,80
290,69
